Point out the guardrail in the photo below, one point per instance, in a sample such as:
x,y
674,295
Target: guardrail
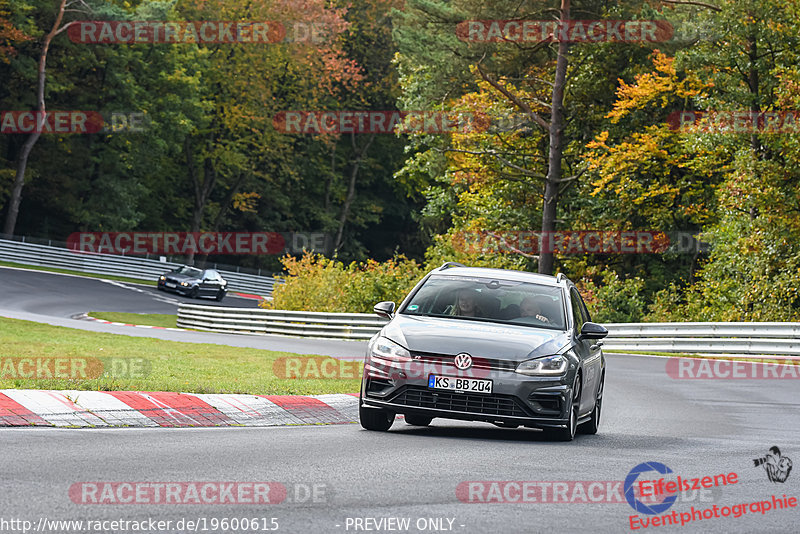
x,y
775,339
293,323
110,264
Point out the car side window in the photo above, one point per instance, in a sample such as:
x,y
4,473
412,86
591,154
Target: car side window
x,y
586,315
578,309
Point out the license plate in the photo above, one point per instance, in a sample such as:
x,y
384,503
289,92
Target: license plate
x,y
170,284
466,385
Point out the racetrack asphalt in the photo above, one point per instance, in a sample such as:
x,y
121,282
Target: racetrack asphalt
x,y
697,428
57,299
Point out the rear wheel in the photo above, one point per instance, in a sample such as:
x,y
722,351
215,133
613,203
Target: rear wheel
x,y
418,420
375,418
568,433
591,426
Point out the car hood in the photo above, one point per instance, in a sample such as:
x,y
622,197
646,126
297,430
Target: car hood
x,y
180,277
484,340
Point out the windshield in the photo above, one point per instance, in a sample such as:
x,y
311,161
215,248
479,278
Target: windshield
x,y
190,271
492,300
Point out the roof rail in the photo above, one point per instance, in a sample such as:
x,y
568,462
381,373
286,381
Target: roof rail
x,y
560,277
448,264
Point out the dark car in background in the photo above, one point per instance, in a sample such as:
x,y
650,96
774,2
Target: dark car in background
x,y
193,282
504,347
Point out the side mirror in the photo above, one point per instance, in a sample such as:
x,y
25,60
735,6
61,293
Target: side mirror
x,y
592,331
384,309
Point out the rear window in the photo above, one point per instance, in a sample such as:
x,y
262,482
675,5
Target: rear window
x,y
492,300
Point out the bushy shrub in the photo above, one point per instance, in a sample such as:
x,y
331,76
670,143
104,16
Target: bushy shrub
x,y
316,283
668,306
616,300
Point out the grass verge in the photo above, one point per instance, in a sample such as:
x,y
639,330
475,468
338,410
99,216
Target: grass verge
x,y
150,319
145,364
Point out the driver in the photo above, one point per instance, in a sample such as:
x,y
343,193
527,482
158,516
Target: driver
x,y
529,307
467,304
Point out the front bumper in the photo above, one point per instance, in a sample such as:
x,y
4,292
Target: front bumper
x,y
181,290
539,402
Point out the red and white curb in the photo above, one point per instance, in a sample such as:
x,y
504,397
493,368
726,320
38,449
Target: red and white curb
x,y
71,408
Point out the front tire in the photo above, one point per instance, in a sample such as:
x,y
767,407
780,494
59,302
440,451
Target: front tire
x,y
418,420
194,292
592,425
568,433
220,296
375,418
506,425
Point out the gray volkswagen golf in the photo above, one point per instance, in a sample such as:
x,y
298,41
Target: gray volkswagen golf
x,y
504,347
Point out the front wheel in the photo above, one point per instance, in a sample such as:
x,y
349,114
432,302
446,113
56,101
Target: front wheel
x,y
194,292
418,420
375,418
591,426
220,295
506,425
568,433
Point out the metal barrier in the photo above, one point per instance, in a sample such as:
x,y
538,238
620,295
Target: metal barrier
x,y
110,264
775,339
707,338
293,323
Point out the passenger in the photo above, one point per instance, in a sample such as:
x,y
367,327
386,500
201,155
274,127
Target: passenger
x,y
529,307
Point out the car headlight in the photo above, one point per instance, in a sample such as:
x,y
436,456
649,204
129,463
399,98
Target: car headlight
x,y
387,349
162,277
547,366
184,284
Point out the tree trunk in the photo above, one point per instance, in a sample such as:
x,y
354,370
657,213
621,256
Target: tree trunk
x,y
550,205
755,104
22,164
223,209
351,189
202,190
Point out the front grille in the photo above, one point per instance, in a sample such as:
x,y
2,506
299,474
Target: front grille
x,y
478,363
460,402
